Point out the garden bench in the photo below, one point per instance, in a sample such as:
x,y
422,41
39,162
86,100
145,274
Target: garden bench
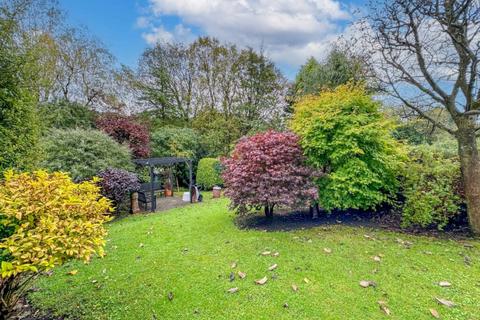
x,y
144,194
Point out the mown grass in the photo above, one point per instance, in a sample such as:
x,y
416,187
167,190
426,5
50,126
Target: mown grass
x,y
189,251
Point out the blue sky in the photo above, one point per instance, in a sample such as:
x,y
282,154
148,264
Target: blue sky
x,y
289,30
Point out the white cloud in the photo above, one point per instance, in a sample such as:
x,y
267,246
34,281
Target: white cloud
x,y
289,30
142,22
160,34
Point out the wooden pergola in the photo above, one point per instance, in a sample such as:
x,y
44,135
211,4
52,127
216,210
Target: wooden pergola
x,y
151,163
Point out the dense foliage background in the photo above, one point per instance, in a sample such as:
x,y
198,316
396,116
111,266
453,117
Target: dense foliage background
x,y
61,91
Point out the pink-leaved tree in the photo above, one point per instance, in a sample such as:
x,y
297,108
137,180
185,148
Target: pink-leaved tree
x,y
268,170
125,130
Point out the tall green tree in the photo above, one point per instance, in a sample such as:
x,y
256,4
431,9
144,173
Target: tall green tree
x,y
427,54
238,87
18,121
340,67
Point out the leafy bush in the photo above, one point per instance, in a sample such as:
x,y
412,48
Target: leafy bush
x,y
432,187
54,220
208,173
83,153
176,142
116,184
343,133
67,115
267,170
125,130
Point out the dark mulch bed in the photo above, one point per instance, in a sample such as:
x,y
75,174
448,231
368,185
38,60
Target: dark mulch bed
x,y
386,219
28,312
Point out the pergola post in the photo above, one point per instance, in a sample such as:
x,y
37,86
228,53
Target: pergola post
x,y
153,205
190,174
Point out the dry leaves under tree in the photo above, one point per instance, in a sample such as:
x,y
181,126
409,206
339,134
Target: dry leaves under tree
x,y
232,290
445,302
435,313
261,281
384,308
273,267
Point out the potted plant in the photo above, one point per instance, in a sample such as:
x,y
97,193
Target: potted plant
x,y
168,187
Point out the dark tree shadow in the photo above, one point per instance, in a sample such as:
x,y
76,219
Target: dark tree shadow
x,y
383,219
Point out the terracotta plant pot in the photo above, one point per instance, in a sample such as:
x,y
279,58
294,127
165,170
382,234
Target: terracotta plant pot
x,y
217,192
134,203
168,193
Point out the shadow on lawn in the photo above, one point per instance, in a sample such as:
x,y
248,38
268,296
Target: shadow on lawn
x,y
386,219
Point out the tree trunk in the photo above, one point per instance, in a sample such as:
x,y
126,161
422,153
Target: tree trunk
x,y
269,211
316,211
470,165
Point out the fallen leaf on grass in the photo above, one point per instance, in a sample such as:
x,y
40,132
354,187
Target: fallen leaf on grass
x,y
445,302
369,237
377,259
241,275
435,313
266,253
72,273
141,245
276,254
384,308
261,281
285,305
170,296
306,280
273,267
367,283
232,290
232,276
327,250
234,265
294,287
444,284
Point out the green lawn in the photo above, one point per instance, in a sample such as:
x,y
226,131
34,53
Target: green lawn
x,y
189,251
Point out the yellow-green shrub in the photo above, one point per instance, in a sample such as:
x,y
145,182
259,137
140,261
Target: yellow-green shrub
x,y
344,133
54,218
